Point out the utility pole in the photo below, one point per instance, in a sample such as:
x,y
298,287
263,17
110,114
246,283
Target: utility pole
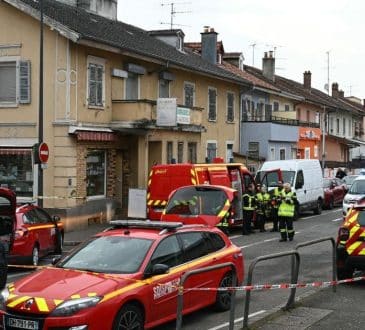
x,y
40,112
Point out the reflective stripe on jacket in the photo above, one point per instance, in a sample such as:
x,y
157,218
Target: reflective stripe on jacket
x,y
248,202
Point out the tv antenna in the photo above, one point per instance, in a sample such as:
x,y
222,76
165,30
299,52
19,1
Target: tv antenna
x,y
173,12
253,45
274,47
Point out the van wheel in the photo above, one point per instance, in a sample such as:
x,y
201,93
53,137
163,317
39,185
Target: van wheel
x,y
318,208
223,298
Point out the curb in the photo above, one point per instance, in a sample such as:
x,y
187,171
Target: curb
x,y
71,243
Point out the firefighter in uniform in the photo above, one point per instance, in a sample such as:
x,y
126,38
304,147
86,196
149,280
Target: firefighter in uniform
x,y
262,207
248,206
286,213
275,201
3,266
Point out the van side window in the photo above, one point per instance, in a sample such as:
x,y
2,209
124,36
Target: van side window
x,y
300,180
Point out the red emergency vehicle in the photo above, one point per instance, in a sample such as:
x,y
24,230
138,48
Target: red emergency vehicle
x,y
165,178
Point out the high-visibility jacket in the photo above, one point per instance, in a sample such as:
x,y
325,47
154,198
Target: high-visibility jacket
x,y
276,196
263,200
248,202
287,205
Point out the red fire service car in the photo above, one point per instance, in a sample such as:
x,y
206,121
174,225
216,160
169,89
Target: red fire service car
x,y
351,242
126,277
204,204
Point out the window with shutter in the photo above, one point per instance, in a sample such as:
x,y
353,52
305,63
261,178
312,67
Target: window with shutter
x,y
212,105
189,95
24,82
230,107
8,88
96,82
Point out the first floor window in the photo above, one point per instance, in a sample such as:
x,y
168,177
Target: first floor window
x,y
169,154
211,151
16,171
229,153
307,153
180,152
272,153
212,104
132,86
189,94
96,84
282,154
192,152
230,107
96,173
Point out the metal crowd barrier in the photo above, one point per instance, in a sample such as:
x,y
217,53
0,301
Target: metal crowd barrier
x,y
180,295
294,278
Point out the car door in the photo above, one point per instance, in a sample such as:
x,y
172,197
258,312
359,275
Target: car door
x,y
47,230
163,288
7,217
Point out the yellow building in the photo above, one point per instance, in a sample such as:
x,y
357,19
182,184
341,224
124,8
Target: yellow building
x,y
117,99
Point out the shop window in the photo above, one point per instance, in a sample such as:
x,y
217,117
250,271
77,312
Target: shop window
x,y
96,173
16,171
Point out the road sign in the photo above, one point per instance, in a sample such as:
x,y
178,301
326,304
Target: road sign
x,y
41,153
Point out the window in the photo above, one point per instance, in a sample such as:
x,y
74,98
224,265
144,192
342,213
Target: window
x,y
350,128
287,107
308,116
276,106
16,171
96,173
189,94
211,151
337,125
194,245
344,126
169,147
163,88
307,153
96,82
282,154
244,108
230,107
216,241
192,152
299,180
212,104
318,118
132,86
268,112
168,252
229,153
14,82
180,152
315,151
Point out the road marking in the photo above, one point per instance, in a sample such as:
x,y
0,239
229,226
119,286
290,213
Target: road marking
x,y
224,325
264,241
338,219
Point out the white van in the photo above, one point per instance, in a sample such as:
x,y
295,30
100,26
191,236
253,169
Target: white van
x,y
305,177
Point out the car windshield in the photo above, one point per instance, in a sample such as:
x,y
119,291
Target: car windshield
x,y
358,187
109,254
193,201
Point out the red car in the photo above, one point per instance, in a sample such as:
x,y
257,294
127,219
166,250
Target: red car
x,y
334,192
34,233
126,277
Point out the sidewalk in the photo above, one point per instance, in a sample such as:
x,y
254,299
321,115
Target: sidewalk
x,y
75,237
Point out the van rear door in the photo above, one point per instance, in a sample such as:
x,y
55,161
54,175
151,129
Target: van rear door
x,y
269,178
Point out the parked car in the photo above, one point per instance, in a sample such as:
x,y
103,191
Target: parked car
x,y
350,246
126,277
334,192
349,179
355,193
36,235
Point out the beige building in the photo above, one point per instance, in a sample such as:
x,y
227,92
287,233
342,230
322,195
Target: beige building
x,y
117,99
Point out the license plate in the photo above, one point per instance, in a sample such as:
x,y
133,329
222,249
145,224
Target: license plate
x,y
22,324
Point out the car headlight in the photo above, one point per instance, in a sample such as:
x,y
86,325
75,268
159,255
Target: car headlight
x,y
4,295
71,307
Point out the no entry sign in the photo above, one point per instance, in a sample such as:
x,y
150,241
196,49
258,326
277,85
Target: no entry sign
x,y
41,153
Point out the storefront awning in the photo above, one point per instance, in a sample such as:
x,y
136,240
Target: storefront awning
x,y
15,151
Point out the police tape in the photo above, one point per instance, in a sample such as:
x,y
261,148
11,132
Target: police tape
x,y
59,197
256,287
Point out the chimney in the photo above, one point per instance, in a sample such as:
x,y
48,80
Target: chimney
x,y
341,93
268,65
335,92
307,79
209,45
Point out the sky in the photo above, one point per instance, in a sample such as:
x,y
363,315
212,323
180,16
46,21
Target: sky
x,y
323,36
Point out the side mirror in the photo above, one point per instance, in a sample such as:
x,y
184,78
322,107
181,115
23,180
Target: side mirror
x,y
56,218
158,269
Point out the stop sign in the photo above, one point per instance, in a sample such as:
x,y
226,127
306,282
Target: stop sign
x,y
43,152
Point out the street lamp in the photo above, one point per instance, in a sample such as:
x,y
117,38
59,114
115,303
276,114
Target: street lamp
x,y
40,112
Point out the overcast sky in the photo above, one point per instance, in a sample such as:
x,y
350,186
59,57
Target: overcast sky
x,y
300,32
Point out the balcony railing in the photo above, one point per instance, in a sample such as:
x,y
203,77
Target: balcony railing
x,y
279,120
144,109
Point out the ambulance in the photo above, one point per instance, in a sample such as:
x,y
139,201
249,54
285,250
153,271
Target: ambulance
x,y
165,178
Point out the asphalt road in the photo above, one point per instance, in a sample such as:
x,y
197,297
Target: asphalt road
x,y
316,265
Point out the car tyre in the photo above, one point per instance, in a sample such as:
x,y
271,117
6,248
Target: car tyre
x,y
59,243
35,256
331,204
344,273
318,208
223,298
129,317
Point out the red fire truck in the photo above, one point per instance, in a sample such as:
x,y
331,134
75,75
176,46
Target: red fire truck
x,y
165,178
